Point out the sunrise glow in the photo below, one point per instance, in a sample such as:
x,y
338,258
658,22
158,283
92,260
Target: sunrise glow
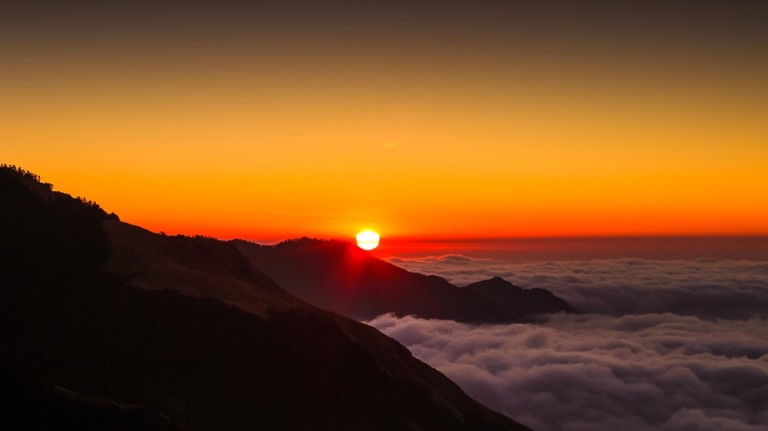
x,y
255,132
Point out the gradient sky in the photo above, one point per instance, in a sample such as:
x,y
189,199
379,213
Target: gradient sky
x,y
463,119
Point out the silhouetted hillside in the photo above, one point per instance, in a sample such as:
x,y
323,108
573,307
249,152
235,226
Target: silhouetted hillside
x,y
106,321
340,277
518,301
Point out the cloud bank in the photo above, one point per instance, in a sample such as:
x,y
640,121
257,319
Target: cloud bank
x,y
706,288
598,372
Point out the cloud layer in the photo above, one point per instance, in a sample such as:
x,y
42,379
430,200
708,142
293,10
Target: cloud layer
x,y
593,372
707,288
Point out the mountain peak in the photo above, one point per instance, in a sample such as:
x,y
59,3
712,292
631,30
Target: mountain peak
x,y
493,282
518,301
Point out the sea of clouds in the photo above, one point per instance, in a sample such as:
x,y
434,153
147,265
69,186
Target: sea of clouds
x,y
708,288
665,345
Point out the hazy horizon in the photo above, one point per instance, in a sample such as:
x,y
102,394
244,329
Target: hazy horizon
x,y
746,247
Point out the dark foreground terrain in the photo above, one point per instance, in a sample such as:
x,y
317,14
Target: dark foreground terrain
x,y
104,325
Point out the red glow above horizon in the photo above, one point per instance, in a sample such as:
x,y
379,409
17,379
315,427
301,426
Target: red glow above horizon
x,y
536,129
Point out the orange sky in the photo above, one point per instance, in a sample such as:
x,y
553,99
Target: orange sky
x,y
280,124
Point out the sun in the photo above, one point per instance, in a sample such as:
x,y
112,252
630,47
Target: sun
x,y
367,240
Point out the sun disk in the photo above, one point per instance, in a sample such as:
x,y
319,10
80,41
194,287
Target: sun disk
x,y
367,240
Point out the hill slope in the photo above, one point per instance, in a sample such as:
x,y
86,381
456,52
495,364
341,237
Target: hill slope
x,y
186,328
340,277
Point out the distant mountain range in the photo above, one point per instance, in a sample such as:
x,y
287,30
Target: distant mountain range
x,y
104,325
339,276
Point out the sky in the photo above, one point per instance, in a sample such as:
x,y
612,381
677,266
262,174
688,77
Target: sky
x,y
273,120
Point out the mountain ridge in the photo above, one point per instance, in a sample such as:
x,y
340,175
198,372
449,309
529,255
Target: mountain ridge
x,y
519,301
338,276
188,329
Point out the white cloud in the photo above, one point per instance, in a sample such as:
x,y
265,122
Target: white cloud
x,y
595,372
706,288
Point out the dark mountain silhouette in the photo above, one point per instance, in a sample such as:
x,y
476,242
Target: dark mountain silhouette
x,y
104,322
339,276
518,301
29,404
